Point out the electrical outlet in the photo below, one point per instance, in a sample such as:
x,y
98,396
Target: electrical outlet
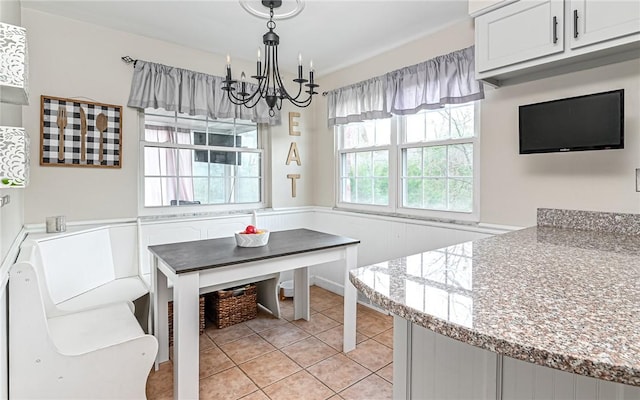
x,y
637,179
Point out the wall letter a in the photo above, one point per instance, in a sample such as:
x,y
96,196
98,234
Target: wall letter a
x,y
294,155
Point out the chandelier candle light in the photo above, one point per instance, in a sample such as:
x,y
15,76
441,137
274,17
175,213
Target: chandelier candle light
x,y
270,86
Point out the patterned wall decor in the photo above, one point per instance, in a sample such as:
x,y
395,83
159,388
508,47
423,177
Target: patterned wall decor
x,y
14,157
77,133
13,64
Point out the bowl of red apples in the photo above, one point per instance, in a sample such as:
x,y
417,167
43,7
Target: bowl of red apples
x,y
252,237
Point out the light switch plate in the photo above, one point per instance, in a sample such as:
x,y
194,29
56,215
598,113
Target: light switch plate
x,y
637,179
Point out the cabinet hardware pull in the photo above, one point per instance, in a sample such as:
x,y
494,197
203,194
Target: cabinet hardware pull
x,y
555,30
575,24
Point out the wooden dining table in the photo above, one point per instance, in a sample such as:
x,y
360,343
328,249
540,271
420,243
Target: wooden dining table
x,y
219,263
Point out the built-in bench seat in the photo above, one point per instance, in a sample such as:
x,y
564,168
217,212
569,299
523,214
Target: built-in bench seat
x,y
97,352
88,268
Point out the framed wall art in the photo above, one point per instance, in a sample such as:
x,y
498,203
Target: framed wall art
x,y
76,133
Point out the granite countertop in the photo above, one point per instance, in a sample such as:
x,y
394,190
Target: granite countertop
x,y
555,296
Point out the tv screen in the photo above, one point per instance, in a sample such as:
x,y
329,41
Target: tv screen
x,y
591,122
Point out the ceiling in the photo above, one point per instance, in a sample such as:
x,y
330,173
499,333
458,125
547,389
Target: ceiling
x,y
334,34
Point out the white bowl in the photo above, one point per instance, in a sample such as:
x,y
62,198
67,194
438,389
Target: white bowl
x,y
252,239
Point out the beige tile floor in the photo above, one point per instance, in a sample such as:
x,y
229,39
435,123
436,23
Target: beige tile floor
x,y
282,359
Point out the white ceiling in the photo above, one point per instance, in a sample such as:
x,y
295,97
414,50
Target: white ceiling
x,y
334,34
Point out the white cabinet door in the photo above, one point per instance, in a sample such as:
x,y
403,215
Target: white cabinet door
x,y
476,7
594,21
521,31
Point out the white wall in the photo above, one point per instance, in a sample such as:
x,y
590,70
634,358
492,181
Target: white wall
x,y
89,67
280,144
513,186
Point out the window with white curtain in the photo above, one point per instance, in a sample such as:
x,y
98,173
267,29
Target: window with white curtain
x,y
189,160
423,164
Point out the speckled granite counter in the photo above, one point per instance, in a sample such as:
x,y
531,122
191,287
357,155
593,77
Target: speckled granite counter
x,y
555,296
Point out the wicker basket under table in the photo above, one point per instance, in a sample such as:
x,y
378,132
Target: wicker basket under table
x,y
170,312
232,306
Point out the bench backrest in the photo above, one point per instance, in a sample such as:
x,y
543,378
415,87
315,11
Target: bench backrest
x,y
77,262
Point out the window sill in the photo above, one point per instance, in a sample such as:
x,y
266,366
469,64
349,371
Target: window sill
x,y
189,214
413,217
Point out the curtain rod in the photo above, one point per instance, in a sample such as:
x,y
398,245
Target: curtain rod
x,y
129,60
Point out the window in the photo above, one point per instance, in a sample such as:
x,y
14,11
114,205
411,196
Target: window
x,y
190,160
436,153
364,167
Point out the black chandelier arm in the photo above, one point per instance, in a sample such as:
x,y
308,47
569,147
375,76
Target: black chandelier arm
x,y
239,101
284,93
248,101
301,103
251,100
296,100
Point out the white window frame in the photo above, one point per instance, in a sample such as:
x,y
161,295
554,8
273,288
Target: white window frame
x,y
392,177
143,210
395,171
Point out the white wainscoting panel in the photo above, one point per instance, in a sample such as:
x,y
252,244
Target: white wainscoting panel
x,y
383,239
444,368
523,380
438,367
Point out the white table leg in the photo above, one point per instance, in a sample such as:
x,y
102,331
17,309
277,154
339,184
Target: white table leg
x,y
301,293
350,300
160,317
186,326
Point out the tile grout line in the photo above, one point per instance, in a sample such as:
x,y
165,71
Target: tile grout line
x,y
319,294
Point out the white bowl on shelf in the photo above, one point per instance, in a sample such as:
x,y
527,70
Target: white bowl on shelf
x,y
252,239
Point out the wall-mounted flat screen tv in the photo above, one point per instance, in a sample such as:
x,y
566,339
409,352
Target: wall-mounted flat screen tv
x,y
591,122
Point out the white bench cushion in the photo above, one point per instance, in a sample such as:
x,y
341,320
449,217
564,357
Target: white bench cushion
x,y
94,329
123,289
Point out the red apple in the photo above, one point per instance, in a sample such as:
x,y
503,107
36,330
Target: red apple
x,y
250,229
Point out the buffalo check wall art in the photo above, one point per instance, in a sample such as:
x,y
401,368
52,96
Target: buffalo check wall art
x,y
77,133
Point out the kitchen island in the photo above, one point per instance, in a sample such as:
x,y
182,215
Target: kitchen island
x,y
551,311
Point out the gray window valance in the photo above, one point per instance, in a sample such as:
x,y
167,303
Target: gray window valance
x,y
447,79
194,93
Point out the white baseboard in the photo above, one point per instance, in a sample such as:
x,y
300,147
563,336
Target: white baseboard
x,y
338,288
326,284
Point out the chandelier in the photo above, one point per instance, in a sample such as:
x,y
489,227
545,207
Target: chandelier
x,y
270,86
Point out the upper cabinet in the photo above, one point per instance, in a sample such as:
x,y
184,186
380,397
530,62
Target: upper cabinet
x,y
598,21
530,39
478,7
521,31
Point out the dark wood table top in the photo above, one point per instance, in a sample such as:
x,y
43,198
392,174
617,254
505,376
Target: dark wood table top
x,y
214,253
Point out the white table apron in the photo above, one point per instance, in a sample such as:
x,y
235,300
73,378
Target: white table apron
x,y
186,292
